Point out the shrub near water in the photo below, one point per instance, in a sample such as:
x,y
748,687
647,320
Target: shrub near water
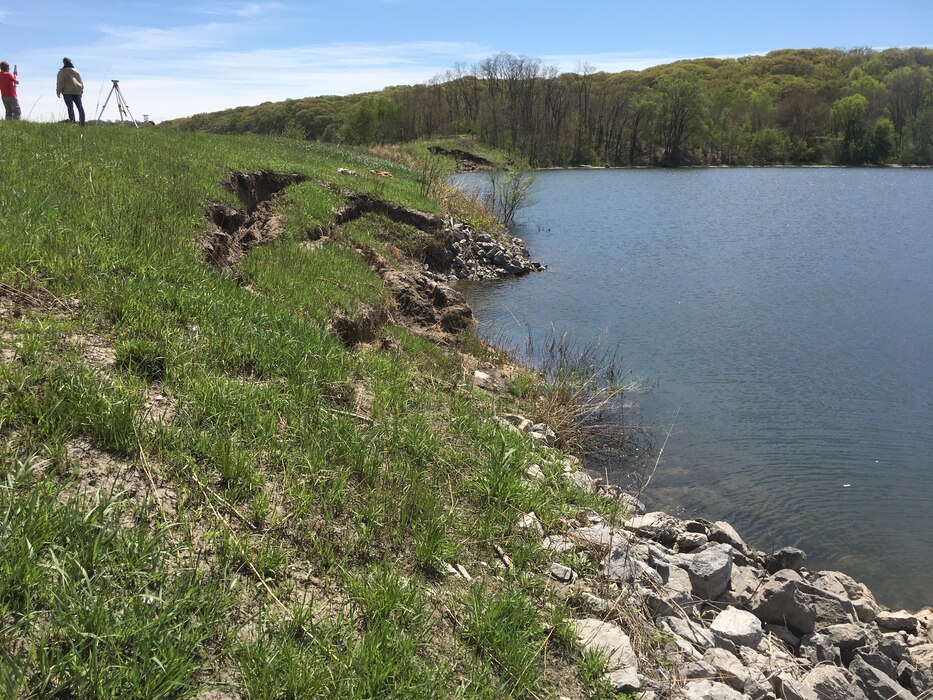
x,y
201,486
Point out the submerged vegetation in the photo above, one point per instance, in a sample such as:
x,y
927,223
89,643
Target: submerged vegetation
x,y
204,490
802,106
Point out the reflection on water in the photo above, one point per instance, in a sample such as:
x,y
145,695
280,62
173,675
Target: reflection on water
x,y
787,315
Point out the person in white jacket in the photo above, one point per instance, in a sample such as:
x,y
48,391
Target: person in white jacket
x,y
70,87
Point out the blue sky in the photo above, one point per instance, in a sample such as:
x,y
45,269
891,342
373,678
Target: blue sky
x,y
180,58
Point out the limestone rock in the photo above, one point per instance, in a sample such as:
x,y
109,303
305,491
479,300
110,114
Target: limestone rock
x,y
921,658
601,535
707,690
786,558
619,566
786,600
875,684
744,582
832,683
562,573
738,626
710,572
897,621
847,636
656,526
693,632
723,532
529,523
728,667
691,540
819,648
624,680
791,689
608,640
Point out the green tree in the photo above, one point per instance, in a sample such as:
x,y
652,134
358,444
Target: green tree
x,y
882,143
681,114
849,120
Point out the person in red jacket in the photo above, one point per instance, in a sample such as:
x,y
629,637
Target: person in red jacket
x,y
8,83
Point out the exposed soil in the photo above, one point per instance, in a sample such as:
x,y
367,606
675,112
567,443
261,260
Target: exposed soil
x,y
423,302
468,161
236,231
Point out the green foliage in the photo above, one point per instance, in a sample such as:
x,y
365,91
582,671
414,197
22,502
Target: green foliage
x,y
754,109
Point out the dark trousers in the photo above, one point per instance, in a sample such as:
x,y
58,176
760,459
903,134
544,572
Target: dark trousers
x,y
11,105
72,101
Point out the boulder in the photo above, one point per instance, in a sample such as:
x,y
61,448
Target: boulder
x,y
786,558
619,566
743,584
623,680
730,670
789,688
832,683
738,626
875,684
707,690
899,621
608,640
921,680
847,636
845,586
698,670
819,648
710,572
655,526
691,540
785,600
723,532
693,632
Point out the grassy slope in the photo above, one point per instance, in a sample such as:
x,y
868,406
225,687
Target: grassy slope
x,y
189,497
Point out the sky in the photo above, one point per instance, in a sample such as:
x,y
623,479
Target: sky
x,y
180,58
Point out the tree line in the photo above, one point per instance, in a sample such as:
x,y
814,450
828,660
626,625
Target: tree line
x,y
791,106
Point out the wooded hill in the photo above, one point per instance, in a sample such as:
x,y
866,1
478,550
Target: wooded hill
x,y
789,106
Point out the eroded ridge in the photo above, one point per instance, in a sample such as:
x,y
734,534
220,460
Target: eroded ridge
x,y
236,231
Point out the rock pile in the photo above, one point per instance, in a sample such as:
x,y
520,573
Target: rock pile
x,y
478,256
739,623
746,624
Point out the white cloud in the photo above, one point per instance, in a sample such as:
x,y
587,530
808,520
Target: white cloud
x,y
4,14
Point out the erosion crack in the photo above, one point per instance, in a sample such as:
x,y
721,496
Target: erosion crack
x,y
236,231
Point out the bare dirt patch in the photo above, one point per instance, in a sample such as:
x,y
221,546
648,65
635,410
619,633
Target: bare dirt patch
x,y
101,475
236,231
424,303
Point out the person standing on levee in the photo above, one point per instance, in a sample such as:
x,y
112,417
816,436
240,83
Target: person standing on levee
x,y
8,83
70,87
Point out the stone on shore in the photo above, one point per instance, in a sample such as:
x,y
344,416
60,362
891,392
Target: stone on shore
x,y
786,558
707,690
833,683
710,572
723,532
655,526
608,640
738,626
900,621
877,685
785,599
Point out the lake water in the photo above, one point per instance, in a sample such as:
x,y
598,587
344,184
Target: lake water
x,y
787,318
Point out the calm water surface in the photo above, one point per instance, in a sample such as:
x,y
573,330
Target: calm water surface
x,y
787,318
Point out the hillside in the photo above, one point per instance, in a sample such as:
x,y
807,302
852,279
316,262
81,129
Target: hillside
x,y
804,106
251,448
238,459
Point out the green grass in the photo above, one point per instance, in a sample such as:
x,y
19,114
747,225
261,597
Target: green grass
x,y
282,533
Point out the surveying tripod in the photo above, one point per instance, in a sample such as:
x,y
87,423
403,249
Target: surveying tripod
x,y
121,103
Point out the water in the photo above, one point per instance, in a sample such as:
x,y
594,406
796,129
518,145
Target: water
x,y
787,317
